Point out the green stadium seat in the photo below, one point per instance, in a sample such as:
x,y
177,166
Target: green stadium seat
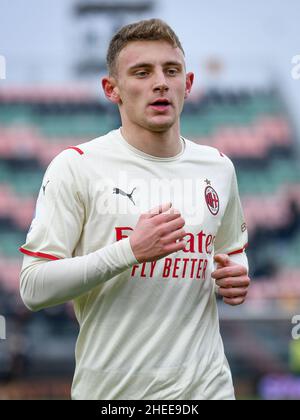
x,y
10,243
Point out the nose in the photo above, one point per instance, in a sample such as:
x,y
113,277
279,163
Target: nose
x,y
160,82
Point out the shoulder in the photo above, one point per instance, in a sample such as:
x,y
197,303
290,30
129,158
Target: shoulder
x,y
209,155
87,149
77,156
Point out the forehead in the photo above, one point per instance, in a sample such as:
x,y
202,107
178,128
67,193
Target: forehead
x,y
151,52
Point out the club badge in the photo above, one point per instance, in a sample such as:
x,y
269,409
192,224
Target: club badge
x,y
212,200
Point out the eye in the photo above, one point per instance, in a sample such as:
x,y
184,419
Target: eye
x,y
141,73
172,71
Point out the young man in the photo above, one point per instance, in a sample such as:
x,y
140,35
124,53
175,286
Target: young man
x,y
129,226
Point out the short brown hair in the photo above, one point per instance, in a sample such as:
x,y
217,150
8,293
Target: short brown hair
x,y
144,30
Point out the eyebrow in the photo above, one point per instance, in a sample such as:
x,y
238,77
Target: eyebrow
x,y
168,63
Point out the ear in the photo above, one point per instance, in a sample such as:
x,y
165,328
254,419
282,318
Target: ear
x,y
188,84
111,90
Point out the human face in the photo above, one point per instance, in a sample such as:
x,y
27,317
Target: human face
x,y
151,84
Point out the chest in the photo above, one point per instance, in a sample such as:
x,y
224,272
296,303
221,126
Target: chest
x,y
120,192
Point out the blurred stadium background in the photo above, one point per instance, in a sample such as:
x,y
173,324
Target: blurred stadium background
x,y
246,104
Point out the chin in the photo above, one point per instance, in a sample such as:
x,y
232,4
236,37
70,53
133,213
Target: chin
x,y
160,126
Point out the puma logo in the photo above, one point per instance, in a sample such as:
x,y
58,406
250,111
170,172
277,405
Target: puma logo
x,y
119,191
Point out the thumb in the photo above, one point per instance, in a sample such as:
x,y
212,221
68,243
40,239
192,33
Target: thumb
x,y
222,260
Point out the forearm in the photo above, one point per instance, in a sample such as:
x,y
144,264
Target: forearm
x,y
48,283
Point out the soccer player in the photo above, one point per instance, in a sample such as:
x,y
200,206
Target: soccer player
x,y
129,227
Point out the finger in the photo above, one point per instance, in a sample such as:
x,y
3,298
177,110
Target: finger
x,y
178,234
233,271
222,260
233,293
173,225
233,282
234,301
162,208
166,217
175,247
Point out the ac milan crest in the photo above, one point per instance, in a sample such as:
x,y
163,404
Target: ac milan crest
x,y
212,200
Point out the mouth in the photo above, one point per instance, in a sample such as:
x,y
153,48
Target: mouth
x,y
161,104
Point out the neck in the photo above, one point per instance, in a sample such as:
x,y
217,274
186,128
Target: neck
x,y
159,144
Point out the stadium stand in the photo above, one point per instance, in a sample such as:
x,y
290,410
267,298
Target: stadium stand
x,y
251,127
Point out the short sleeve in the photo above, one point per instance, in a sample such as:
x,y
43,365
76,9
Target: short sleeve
x,y
232,236
58,221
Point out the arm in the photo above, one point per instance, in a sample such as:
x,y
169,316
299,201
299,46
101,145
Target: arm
x,y
44,284
158,233
231,275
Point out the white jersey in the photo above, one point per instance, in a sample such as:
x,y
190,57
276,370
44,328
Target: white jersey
x,y
152,330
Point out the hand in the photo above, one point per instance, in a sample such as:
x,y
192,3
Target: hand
x,y
158,233
232,279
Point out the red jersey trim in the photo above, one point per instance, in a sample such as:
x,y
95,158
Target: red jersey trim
x,y
38,254
239,251
75,148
